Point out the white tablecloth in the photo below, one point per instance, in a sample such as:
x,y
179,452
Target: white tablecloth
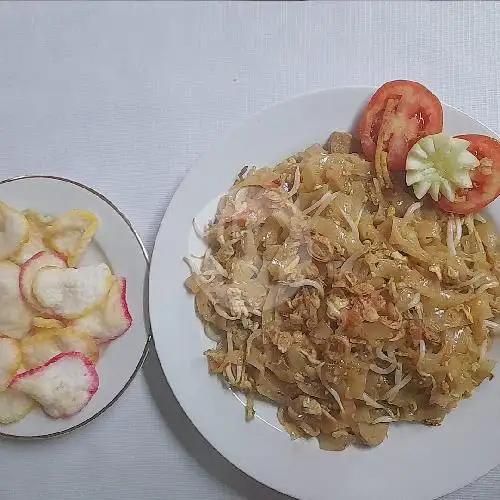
x,y
125,97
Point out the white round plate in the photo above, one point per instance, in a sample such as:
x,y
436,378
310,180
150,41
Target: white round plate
x,y
117,244
415,462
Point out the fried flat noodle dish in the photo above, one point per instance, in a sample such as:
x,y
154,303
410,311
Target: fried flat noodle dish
x,y
346,305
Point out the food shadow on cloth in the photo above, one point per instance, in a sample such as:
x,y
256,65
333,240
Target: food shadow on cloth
x,y
191,439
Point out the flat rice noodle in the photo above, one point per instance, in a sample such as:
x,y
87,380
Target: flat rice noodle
x,y
428,231
280,240
361,270
351,164
406,400
462,383
281,370
337,235
191,283
347,377
404,298
472,245
438,319
269,232
432,413
405,239
441,255
454,342
481,264
242,270
225,254
496,272
279,267
270,252
371,434
219,322
377,385
283,219
371,331
307,405
307,199
376,282
269,386
439,251
263,177
249,246
204,306
419,399
314,389
307,423
295,359
387,269
401,197
235,357
216,360
336,347
341,168
343,202
311,173
450,298
320,249
469,244
315,151
362,414
255,292
292,429
321,333
385,227
336,177
331,443
488,236
287,166
350,203
212,333
256,358
367,230
263,275
269,391
269,306
349,408
423,285
329,424
484,371
240,337
458,265
480,310
359,167
358,195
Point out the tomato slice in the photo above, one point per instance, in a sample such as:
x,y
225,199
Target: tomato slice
x,y
399,114
485,178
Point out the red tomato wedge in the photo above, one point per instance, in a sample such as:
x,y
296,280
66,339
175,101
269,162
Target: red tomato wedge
x,y
485,178
399,114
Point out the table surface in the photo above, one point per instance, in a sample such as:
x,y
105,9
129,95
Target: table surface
x,y
125,97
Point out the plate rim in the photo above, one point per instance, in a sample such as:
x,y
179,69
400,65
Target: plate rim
x,y
180,191
147,322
